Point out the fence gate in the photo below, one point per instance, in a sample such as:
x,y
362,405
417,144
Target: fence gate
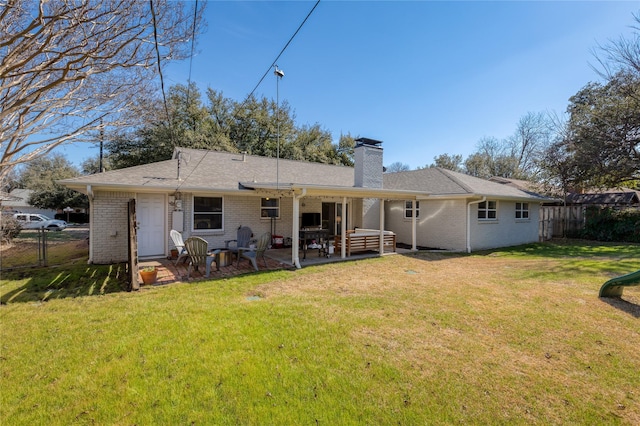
x,y
133,248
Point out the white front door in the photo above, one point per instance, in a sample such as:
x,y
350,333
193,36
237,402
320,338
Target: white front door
x,y
150,214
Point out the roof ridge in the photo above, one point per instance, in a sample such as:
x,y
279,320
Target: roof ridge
x,y
207,151
450,174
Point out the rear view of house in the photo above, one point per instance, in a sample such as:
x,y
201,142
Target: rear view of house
x,y
211,194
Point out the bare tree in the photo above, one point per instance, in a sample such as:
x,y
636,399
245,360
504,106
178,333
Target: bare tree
x,y
69,67
531,138
397,167
619,55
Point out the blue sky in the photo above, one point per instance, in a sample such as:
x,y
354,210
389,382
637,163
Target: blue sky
x,y
424,77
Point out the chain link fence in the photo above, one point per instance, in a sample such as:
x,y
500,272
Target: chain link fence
x,y
41,247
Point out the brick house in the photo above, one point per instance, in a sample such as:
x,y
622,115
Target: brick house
x,y
211,194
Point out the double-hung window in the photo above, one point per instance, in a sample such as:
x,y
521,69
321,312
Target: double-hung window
x,y
522,210
270,207
207,213
408,209
488,210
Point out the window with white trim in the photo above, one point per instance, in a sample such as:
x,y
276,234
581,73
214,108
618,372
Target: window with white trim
x,y
270,207
522,210
408,209
207,213
488,210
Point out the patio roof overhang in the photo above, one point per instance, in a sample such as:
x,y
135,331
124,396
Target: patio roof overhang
x,y
335,191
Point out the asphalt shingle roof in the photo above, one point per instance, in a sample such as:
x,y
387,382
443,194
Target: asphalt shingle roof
x,y
437,181
211,170
223,171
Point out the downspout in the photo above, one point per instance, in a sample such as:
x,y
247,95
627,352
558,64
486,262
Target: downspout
x,y
295,254
343,229
414,232
381,236
91,196
469,221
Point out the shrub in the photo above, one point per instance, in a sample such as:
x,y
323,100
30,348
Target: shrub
x,y
609,224
9,228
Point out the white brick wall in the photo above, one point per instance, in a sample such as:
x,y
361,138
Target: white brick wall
x,y
507,230
241,211
109,227
442,224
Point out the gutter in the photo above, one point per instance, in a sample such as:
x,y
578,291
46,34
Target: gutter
x,y
484,198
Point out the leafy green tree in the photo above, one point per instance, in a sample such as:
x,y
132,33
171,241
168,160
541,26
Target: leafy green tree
x,y
40,175
604,132
345,149
449,162
600,142
92,165
257,126
492,158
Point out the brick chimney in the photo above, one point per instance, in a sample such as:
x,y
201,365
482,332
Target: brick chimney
x,y
368,163
368,171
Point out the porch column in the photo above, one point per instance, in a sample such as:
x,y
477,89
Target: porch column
x,y
295,231
381,239
343,229
413,227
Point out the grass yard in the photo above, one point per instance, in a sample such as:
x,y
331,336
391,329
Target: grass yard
x,y
514,336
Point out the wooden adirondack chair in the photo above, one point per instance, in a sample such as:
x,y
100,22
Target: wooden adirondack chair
x,y
198,256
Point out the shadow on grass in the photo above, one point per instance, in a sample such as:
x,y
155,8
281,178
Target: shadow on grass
x,y
562,248
61,282
623,305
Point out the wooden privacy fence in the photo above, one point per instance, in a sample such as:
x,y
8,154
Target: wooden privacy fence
x,y
560,221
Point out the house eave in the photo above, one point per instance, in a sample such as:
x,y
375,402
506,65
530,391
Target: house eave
x,y
337,191
82,187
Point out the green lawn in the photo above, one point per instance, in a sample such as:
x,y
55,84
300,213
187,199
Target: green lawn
x,y
514,336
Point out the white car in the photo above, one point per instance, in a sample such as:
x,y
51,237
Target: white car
x,y
37,221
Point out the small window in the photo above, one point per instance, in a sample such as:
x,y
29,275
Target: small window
x,y
207,213
270,207
522,210
488,210
408,209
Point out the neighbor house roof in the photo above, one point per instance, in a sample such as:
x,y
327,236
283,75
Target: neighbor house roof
x,y
618,197
18,198
447,183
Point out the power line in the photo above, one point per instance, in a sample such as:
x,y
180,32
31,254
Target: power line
x,y
193,40
282,51
155,38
